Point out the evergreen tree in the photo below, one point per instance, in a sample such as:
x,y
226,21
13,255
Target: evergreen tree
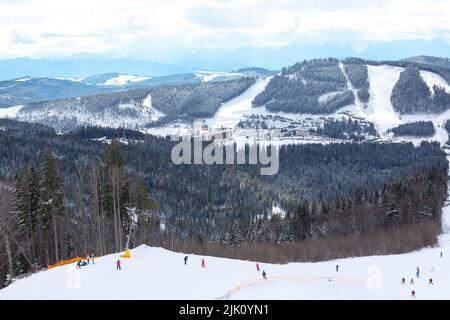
x,y
117,190
26,197
51,205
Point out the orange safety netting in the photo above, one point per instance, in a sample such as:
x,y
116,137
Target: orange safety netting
x,y
64,262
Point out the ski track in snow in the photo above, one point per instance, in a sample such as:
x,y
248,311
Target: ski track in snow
x,y
231,112
380,110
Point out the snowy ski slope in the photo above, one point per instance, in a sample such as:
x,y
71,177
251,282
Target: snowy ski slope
x,y
155,273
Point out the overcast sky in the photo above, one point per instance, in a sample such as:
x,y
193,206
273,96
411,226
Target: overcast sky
x,y
43,28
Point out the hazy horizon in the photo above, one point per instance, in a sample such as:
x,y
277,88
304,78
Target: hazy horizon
x,y
224,35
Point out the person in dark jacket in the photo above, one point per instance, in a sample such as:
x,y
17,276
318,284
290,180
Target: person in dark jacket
x,y
185,259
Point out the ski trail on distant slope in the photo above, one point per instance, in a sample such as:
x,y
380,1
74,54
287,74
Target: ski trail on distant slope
x,y
231,112
359,106
382,80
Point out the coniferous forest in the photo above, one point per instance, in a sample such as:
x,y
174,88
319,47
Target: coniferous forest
x,y
71,195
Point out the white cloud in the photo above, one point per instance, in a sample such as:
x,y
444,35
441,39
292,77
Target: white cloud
x,y
46,27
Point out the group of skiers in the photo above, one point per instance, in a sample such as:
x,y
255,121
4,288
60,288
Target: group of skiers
x,y
82,263
264,275
91,257
430,281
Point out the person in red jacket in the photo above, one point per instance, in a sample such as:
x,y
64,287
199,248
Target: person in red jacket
x,y
118,265
203,263
257,266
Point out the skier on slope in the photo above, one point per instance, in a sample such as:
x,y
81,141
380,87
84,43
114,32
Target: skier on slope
x,y
264,275
185,260
441,254
93,258
412,281
203,263
403,280
118,263
337,268
413,294
87,258
79,264
257,266
430,281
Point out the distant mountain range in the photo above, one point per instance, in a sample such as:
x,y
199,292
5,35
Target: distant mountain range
x,y
429,60
26,90
49,68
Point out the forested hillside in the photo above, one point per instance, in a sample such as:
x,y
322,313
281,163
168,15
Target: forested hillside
x,y
415,129
136,108
27,90
315,86
411,95
358,76
319,86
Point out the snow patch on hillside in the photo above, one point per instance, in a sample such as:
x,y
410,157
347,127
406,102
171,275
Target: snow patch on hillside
x,y
9,112
24,79
432,79
73,79
326,96
207,76
133,114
